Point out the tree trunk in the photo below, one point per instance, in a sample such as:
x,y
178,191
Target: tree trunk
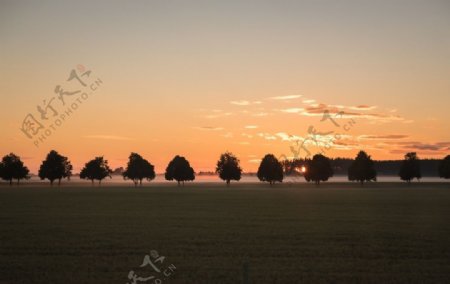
x,y
10,182
362,182
18,180
178,182
59,182
92,182
140,182
99,182
228,182
51,182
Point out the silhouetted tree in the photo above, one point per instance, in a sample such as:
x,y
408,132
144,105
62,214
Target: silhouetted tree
x,y
11,167
444,168
118,171
318,169
180,170
228,167
55,167
270,170
410,167
362,169
138,169
96,169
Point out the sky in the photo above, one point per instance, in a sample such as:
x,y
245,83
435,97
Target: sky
x,y
198,78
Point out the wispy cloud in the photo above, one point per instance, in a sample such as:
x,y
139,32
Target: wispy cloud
x,y
341,145
107,137
288,137
227,135
267,136
283,98
428,146
260,114
208,128
218,114
251,126
383,137
292,110
362,107
245,103
436,148
350,112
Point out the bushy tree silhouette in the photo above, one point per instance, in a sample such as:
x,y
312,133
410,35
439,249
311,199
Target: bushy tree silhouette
x,y
362,169
55,167
270,170
228,167
180,170
444,168
96,169
138,169
410,167
12,168
318,169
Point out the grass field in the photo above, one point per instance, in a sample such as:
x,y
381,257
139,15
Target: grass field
x,y
338,233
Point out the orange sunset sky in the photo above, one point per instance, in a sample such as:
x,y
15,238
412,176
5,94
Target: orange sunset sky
x,y
197,78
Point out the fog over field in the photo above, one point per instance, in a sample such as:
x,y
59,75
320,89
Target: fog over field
x,y
118,180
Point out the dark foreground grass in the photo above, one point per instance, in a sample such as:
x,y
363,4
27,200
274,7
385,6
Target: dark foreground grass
x,y
339,233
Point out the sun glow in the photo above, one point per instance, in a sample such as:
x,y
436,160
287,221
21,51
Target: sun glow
x,y
303,169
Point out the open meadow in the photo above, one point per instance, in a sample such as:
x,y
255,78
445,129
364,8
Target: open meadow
x,y
338,232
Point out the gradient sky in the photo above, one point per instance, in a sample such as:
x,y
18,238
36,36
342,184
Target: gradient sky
x,y
197,78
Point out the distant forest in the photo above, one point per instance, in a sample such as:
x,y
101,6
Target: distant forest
x,y
429,167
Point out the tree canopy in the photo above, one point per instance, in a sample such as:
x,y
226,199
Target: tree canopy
x,y
270,169
410,167
444,168
318,169
180,170
12,168
362,169
138,169
55,167
96,169
228,167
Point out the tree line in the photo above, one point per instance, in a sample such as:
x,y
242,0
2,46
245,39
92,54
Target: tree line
x,y
318,169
